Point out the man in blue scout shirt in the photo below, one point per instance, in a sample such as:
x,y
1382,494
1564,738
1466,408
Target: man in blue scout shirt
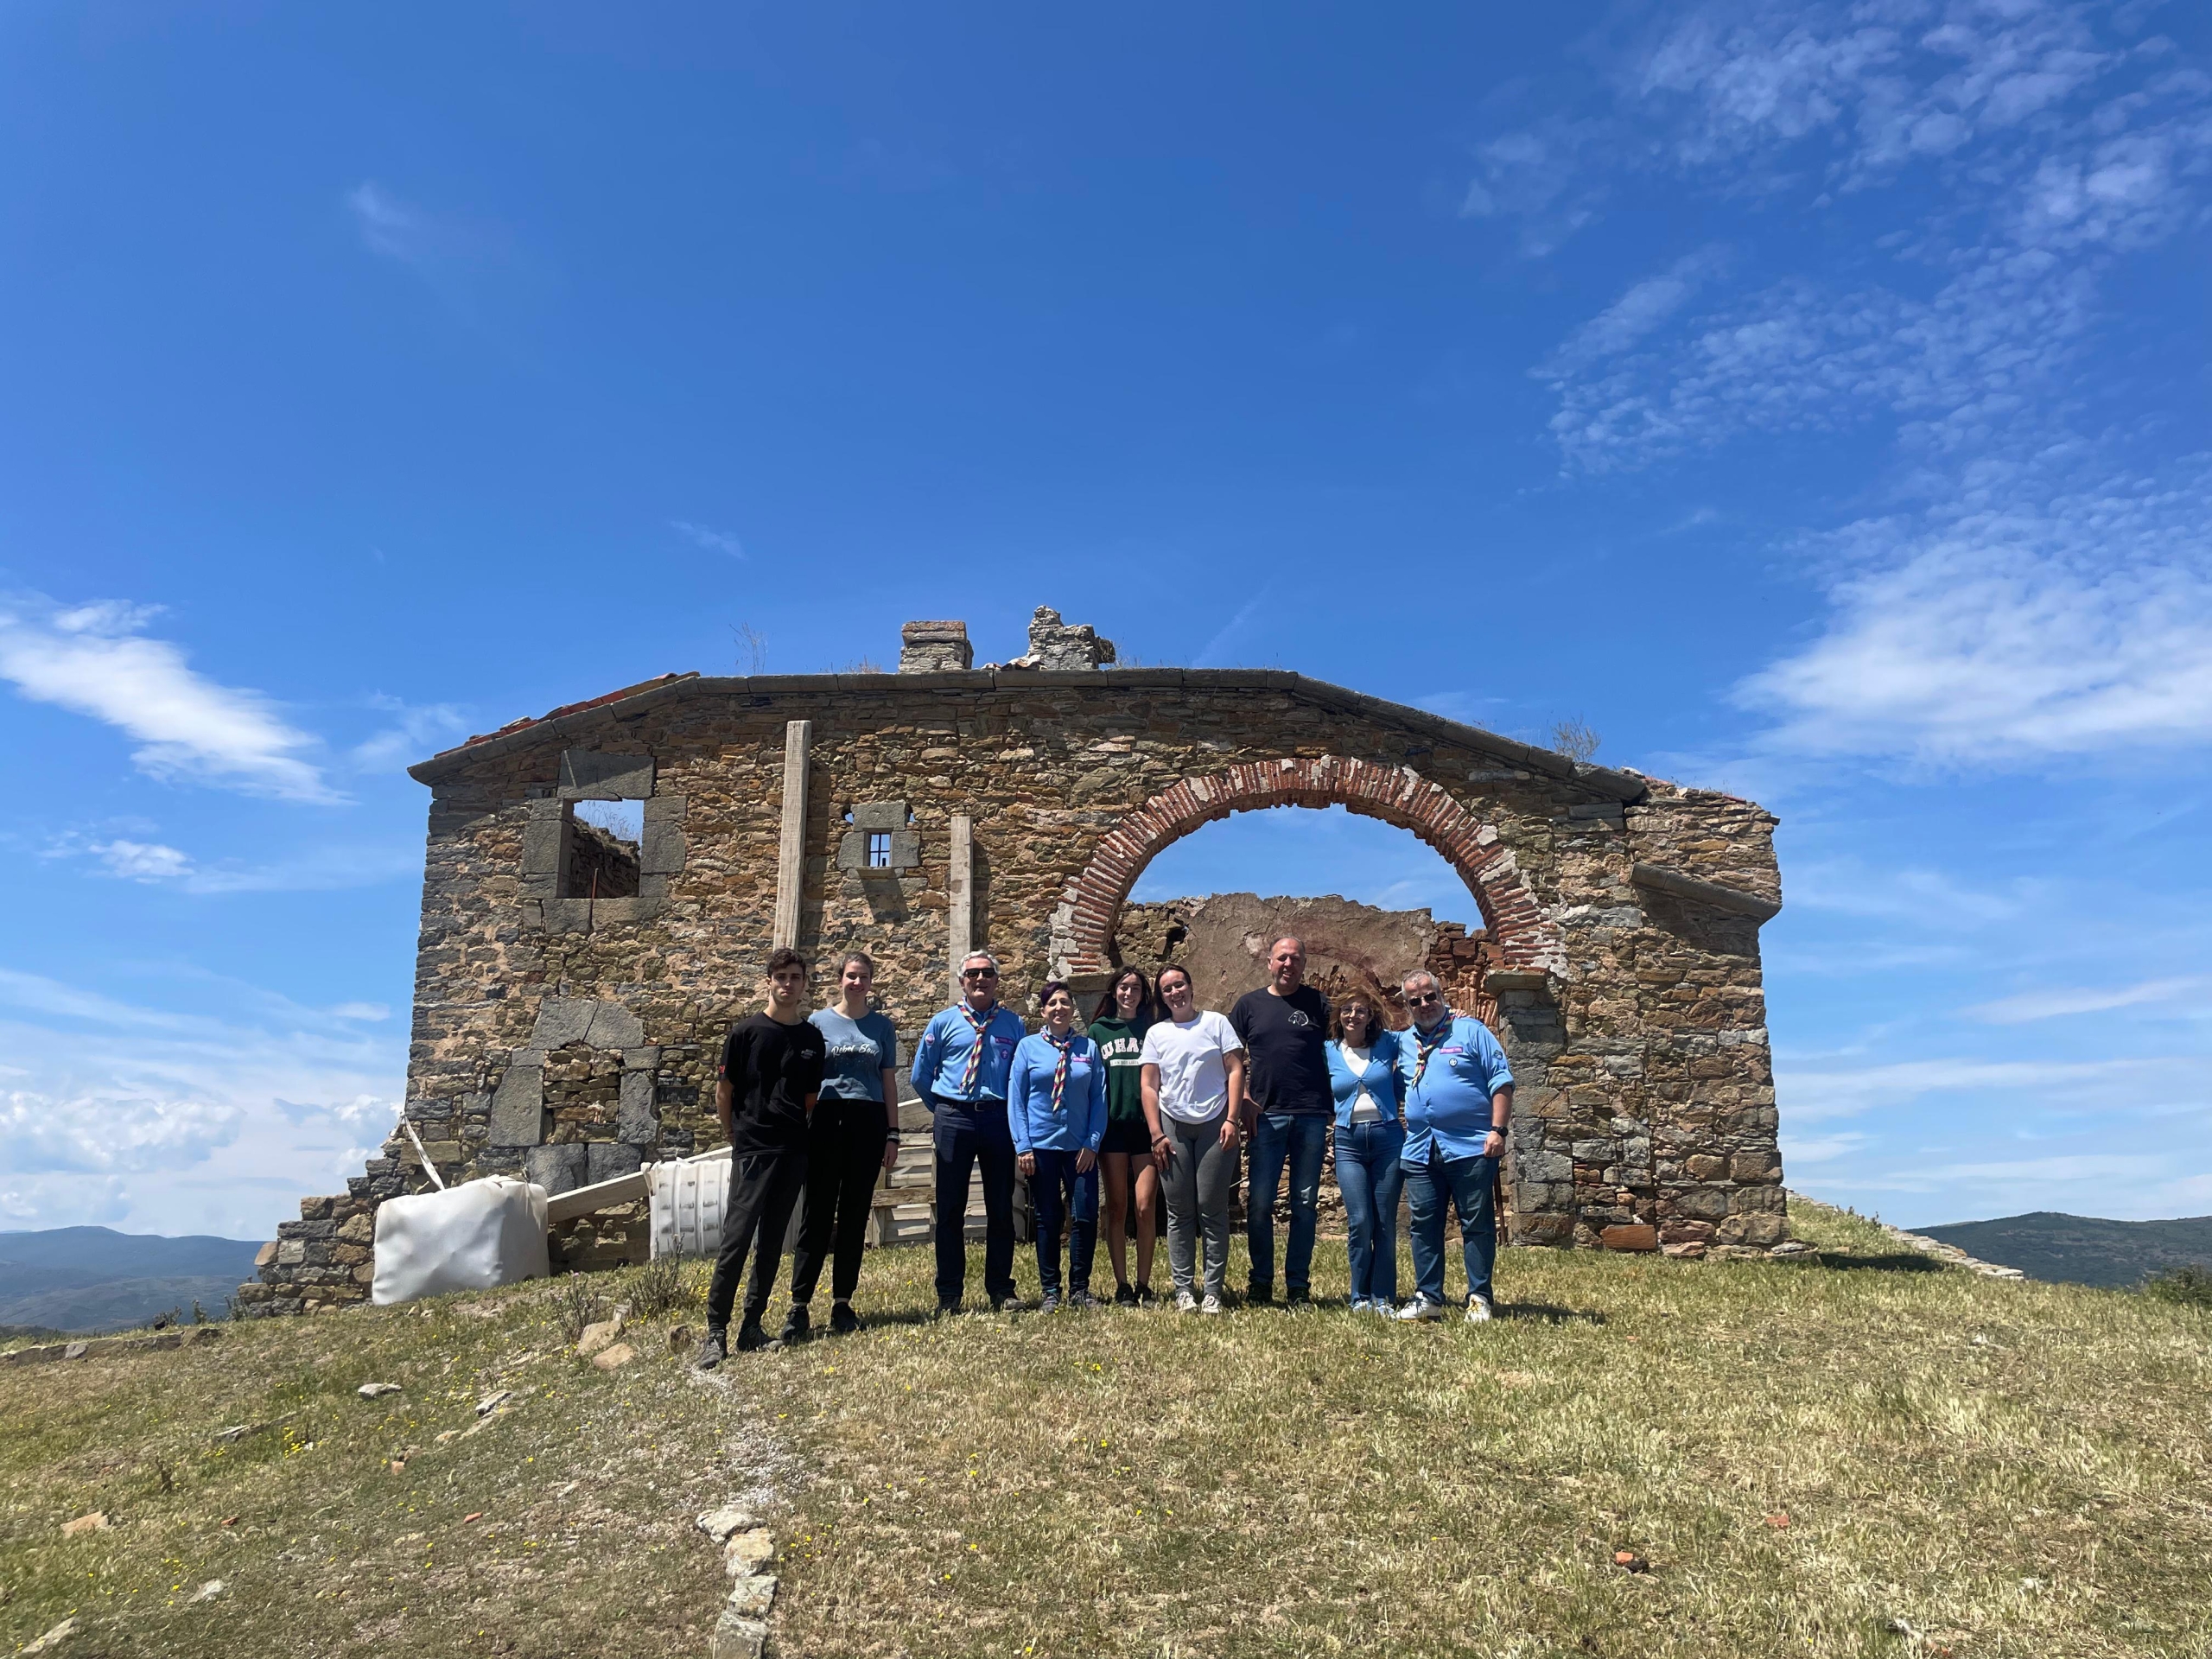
x,y
1458,1099
960,1070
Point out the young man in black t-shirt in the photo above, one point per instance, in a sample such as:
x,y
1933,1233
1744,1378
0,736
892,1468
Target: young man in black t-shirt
x,y
1288,1106
771,1071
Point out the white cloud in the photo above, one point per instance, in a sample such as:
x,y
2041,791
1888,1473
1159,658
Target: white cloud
x,y
1853,887
2042,155
2030,1005
317,869
415,732
95,659
144,1118
714,541
2028,629
390,226
1809,1096
139,860
1539,176
372,1011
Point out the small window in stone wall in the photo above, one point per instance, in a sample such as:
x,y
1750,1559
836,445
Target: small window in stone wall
x,y
879,849
605,841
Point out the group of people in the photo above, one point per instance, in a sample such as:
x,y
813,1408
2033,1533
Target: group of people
x,y
1154,1098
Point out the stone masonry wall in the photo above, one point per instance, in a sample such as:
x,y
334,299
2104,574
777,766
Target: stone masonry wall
x,y
1633,1017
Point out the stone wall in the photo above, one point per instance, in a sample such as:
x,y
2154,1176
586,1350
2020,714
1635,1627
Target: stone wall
x,y
1223,941
1625,972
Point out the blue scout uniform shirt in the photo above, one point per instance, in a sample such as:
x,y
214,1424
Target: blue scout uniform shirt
x,y
941,1057
1080,1124
1449,1107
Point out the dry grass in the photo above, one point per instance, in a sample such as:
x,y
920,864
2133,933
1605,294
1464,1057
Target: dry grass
x,y
2002,1468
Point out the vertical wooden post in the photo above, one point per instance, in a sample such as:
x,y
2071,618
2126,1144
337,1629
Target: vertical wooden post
x,y
961,913
791,853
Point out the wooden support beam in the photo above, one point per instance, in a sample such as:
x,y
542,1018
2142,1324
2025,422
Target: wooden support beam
x,y
961,913
791,852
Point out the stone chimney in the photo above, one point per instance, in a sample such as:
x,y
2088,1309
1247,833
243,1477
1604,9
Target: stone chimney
x,y
934,648
1057,648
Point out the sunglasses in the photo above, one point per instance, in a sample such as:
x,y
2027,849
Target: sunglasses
x,y
979,973
1423,1001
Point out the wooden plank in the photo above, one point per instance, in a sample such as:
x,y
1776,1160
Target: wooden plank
x,y
583,1200
791,852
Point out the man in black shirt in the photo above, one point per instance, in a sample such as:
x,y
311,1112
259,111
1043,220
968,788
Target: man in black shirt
x,y
771,1071
1288,1104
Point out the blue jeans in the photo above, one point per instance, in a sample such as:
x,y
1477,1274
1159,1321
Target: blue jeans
x,y
965,1136
1062,1195
1465,1184
1298,1139
1369,1175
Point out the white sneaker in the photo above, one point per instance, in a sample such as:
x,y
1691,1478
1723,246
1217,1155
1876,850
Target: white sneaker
x,y
1377,1306
1211,1304
1422,1308
1477,1311
1185,1303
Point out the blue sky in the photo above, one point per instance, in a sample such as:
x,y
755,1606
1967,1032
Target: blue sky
x,y
1812,398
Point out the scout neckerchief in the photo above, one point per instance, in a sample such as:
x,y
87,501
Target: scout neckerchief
x,y
1060,1071
1428,1045
978,1023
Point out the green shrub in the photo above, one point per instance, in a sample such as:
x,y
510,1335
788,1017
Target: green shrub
x,y
2190,1286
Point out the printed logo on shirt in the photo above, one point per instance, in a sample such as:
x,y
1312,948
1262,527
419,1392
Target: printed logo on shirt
x,y
1298,1018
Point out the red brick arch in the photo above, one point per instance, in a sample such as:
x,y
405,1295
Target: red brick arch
x,y
1397,795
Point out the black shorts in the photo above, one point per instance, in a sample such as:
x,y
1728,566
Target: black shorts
x,y
1127,1135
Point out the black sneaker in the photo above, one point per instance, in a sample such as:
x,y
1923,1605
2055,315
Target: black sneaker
x,y
1298,1298
798,1324
714,1348
947,1310
1010,1304
1083,1302
1146,1297
1050,1303
843,1321
1259,1292
750,1336
1124,1297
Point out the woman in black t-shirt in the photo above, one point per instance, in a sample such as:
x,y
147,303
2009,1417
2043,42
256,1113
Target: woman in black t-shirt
x,y
1118,1026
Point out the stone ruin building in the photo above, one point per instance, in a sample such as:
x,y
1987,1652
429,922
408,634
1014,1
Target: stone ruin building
x,y
574,981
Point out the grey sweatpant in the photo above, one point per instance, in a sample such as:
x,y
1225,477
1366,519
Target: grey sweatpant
x,y
1199,1180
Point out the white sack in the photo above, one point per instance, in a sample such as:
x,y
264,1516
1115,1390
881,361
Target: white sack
x,y
688,1199
472,1236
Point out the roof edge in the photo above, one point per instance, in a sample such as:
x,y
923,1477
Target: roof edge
x,y
631,701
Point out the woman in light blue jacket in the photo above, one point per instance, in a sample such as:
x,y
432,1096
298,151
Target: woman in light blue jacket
x,y
1369,1089
1056,1108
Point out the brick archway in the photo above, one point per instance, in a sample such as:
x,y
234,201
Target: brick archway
x,y
1397,795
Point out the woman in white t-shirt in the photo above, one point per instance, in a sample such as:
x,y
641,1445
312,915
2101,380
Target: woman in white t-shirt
x,y
1193,1072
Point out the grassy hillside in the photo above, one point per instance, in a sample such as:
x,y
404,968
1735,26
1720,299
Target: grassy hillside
x,y
2083,1249
1852,1453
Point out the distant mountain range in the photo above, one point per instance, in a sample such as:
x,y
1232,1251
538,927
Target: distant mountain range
x,y
82,1279
2077,1249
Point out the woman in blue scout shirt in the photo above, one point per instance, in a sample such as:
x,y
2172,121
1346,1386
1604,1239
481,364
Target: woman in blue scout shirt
x,y
1056,1108
1458,1099
1370,1091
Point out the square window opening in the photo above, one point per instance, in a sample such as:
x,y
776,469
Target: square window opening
x,y
879,849
605,849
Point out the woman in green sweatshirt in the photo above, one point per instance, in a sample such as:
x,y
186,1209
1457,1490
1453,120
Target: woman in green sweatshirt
x,y
1118,1027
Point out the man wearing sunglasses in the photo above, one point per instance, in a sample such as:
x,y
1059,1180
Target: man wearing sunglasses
x,y
1458,1100
960,1072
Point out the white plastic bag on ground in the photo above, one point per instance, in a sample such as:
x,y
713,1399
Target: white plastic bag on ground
x,y
472,1236
688,1199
